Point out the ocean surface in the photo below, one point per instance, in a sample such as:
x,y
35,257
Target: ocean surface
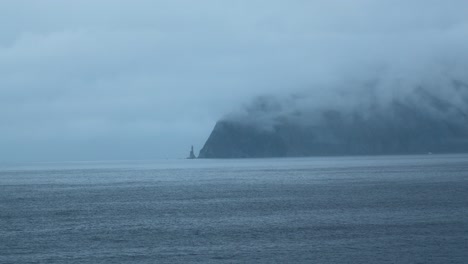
x,y
386,209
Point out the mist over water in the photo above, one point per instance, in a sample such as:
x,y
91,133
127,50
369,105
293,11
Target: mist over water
x,y
392,209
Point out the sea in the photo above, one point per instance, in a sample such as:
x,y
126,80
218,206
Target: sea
x,y
366,209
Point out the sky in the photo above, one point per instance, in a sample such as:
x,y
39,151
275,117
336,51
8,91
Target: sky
x,y
146,79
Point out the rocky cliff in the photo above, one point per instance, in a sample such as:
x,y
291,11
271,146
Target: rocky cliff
x,y
418,124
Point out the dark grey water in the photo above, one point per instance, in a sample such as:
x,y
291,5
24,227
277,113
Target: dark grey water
x,y
396,209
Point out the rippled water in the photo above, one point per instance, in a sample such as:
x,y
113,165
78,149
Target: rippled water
x,y
394,209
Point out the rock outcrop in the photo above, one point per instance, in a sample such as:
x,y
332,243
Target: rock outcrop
x,y
191,154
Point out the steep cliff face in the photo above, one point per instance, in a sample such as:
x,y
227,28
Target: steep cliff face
x,y
234,140
422,124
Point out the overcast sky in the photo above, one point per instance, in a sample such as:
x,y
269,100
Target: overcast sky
x,y
145,79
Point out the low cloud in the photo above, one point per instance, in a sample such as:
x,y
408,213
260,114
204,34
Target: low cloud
x,y
145,79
